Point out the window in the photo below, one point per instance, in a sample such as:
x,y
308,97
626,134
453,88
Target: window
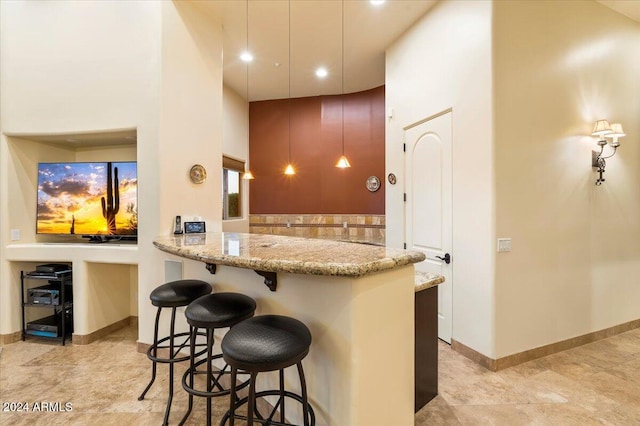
x,y
232,188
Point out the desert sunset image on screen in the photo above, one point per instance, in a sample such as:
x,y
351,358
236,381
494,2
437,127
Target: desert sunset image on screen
x,y
87,198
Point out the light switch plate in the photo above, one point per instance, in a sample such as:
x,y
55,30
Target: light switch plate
x,y
15,235
504,244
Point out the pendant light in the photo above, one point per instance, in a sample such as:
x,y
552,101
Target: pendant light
x,y
247,57
343,163
289,170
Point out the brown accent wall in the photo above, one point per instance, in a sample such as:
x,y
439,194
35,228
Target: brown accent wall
x,y
318,187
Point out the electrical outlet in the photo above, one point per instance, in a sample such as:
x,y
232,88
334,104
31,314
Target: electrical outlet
x,y
345,225
288,224
15,235
504,244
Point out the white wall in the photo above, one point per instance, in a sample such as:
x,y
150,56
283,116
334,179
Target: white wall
x,y
69,66
574,268
442,62
526,80
235,144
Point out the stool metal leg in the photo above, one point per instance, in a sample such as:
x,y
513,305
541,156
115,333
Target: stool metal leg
x,y
252,399
155,354
209,372
171,355
282,395
232,397
192,346
305,401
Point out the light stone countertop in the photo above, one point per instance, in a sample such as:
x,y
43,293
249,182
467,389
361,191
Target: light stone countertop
x,y
276,253
425,280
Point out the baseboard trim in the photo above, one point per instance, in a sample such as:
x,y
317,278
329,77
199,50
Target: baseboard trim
x,y
143,347
85,339
6,339
542,351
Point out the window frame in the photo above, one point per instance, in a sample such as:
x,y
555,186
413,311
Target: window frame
x,y
229,163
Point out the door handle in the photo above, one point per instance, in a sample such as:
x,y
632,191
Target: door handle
x,y
446,259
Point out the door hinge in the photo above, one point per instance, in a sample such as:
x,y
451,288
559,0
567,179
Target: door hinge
x,y
404,147
405,246
405,197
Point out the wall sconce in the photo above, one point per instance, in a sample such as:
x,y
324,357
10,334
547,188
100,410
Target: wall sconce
x,y
603,130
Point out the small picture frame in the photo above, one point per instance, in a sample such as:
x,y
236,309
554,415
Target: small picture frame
x,y
194,228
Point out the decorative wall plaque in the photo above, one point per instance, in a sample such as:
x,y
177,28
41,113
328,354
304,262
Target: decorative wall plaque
x,y
373,183
198,174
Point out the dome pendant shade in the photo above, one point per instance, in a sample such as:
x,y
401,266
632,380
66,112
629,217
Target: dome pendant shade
x,y
343,163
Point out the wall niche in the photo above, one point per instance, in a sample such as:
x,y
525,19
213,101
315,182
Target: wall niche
x,y
27,150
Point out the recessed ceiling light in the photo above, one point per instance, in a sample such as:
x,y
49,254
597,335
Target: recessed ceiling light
x,y
246,56
376,2
322,72
72,140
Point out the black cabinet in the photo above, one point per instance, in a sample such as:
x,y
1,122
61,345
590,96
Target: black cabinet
x,y
49,293
426,349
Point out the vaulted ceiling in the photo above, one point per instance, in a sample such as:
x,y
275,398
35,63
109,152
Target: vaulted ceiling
x,y
310,33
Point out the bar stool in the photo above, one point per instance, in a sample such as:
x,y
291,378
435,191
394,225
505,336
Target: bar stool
x,y
172,295
266,343
218,310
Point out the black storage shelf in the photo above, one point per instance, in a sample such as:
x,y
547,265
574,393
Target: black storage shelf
x,y
51,327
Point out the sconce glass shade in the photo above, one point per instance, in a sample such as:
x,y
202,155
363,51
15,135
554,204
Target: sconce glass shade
x,y
289,170
601,128
343,163
248,175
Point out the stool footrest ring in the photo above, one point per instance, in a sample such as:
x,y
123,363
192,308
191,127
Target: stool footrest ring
x,y
218,375
269,420
177,348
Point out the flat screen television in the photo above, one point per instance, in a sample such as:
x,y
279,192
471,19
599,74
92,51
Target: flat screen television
x,y
96,200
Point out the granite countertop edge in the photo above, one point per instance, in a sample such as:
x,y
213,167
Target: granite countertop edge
x,y
287,259
425,280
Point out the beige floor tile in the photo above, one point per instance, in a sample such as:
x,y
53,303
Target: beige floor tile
x,y
487,390
595,384
614,387
499,414
436,414
551,387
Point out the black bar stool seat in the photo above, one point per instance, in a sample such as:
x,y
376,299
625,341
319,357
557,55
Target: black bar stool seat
x,y
172,295
210,312
267,343
179,293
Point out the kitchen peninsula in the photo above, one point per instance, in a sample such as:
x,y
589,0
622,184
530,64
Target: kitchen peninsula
x,y
357,300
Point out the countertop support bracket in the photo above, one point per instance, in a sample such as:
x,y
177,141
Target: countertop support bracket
x,y
211,267
270,279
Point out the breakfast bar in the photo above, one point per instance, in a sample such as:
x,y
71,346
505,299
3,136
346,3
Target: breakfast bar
x,y
357,300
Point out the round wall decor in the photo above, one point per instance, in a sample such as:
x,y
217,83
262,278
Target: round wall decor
x,y
373,183
198,174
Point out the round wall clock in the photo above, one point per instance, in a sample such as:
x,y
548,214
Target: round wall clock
x,y
197,174
373,183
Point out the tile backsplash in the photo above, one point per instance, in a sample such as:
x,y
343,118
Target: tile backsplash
x,y
352,226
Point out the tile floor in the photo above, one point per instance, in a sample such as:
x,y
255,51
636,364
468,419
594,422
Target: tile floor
x,y
594,384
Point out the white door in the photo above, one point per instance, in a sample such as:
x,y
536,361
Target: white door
x,y
428,226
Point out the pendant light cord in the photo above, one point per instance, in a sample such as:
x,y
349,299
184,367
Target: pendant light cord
x,y
342,91
247,50
289,100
